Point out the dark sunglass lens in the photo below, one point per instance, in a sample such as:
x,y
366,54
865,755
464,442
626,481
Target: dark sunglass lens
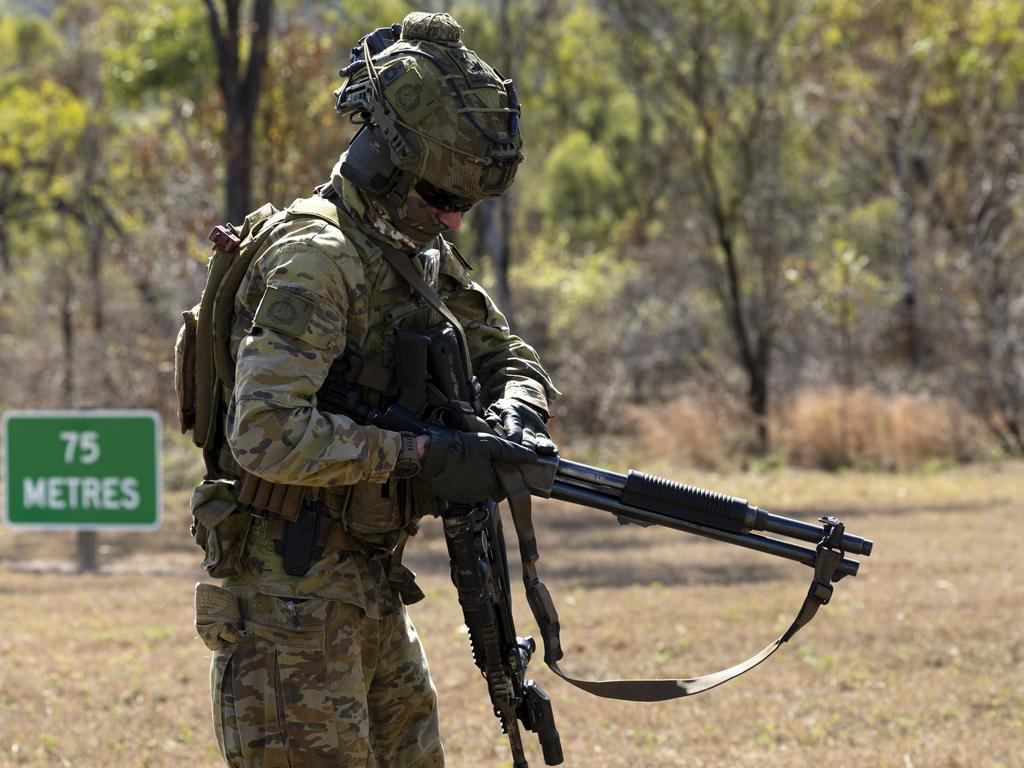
x,y
442,199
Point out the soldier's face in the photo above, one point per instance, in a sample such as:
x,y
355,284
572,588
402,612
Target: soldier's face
x,y
419,214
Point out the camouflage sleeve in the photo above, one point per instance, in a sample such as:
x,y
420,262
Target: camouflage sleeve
x,y
274,429
505,364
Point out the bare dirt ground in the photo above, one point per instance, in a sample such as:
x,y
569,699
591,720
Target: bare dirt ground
x,y
917,663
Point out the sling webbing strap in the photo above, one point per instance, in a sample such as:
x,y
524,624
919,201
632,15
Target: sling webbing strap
x,y
828,555
539,598
403,266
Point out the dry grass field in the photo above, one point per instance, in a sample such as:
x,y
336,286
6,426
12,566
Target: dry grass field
x,y
918,662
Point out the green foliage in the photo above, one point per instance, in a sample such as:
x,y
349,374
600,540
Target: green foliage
x,y
27,43
39,129
573,285
712,190
582,190
167,47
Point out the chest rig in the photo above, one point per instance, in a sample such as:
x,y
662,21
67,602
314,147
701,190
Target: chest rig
x,y
376,518
367,366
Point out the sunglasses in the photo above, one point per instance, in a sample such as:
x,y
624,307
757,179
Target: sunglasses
x,y
442,199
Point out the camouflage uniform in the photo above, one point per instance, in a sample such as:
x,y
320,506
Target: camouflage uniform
x,y
326,669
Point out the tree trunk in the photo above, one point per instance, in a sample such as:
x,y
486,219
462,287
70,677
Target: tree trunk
x,y
487,225
238,174
67,327
502,252
5,250
753,354
758,399
907,255
241,93
503,256
5,263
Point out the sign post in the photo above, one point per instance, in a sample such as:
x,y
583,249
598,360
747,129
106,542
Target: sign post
x,y
82,471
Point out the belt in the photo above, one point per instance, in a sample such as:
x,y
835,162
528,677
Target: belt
x,y
330,534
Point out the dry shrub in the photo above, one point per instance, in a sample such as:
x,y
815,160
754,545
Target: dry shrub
x,y
836,427
699,431
823,428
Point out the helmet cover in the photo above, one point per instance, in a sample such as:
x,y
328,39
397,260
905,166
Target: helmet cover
x,y
433,111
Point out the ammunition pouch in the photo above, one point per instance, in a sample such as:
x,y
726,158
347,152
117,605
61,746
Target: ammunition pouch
x,y
219,526
379,519
373,511
260,495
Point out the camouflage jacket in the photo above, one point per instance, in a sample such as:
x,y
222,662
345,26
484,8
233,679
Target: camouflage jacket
x,y
315,293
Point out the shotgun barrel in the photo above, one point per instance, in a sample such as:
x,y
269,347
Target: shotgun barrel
x,y
644,499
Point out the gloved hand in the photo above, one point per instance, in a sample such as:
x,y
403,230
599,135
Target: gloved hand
x,y
459,466
521,424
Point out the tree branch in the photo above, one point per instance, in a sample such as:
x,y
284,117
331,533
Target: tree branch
x,y
219,47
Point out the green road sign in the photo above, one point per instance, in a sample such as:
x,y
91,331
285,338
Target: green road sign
x,y
82,470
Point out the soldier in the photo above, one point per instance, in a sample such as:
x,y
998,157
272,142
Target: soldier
x,y
316,662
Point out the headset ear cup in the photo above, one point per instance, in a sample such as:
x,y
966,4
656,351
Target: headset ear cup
x,y
368,163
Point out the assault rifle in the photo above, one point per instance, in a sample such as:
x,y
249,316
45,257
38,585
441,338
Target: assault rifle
x,y
433,392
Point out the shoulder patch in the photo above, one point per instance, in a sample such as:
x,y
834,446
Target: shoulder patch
x,y
283,311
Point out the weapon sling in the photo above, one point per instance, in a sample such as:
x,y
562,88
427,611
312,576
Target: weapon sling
x,y
827,557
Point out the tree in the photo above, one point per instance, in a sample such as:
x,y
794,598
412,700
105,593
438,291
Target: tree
x,y
505,46
240,85
718,84
975,202
928,103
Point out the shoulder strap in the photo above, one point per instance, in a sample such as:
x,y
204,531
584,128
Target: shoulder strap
x,y
403,266
317,208
224,299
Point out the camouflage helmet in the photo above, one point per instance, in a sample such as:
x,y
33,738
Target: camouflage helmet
x,y
434,115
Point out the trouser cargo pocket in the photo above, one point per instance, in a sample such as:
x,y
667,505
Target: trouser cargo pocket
x,y
271,698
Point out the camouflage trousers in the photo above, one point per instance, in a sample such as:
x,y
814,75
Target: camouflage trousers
x,y
316,684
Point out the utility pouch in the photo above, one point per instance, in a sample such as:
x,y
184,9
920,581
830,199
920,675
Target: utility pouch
x,y
298,547
218,617
403,581
185,369
219,527
374,510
